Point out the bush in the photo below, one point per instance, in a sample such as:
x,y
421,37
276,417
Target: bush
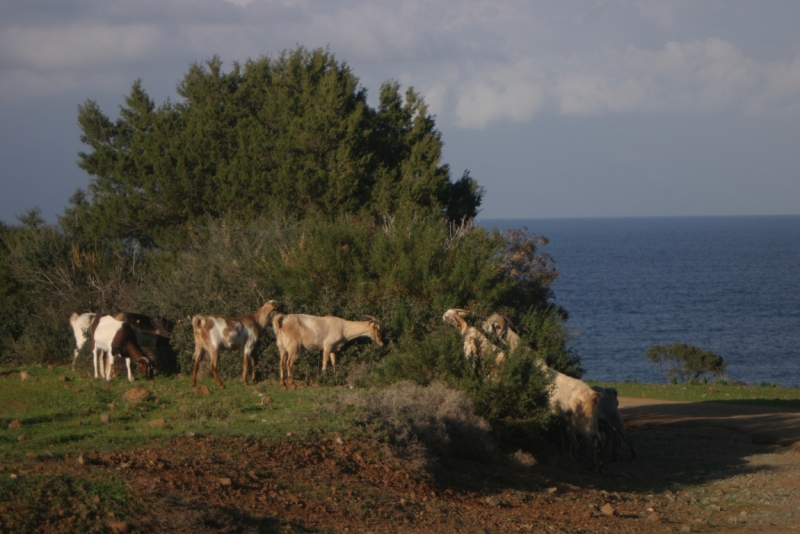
x,y
423,424
680,362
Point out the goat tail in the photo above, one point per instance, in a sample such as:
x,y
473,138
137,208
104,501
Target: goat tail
x,y
277,322
198,321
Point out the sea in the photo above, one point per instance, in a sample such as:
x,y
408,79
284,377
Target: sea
x,y
726,284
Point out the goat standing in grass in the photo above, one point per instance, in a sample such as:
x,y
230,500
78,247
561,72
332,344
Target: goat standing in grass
x,y
328,334
112,338
214,333
80,327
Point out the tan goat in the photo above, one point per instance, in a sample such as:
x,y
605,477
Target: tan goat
x,y
328,334
214,333
475,343
570,398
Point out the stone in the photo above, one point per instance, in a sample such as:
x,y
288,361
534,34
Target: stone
x,y
157,422
22,437
493,501
202,389
63,378
118,526
137,394
551,490
23,375
225,481
608,510
14,424
654,518
105,418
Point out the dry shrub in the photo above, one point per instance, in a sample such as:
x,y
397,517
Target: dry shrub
x,y
423,424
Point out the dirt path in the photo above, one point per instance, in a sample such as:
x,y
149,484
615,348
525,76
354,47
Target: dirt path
x,y
766,425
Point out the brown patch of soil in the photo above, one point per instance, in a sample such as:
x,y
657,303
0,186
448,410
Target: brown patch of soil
x,y
690,479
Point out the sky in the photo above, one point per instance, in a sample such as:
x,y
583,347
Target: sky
x,y
597,108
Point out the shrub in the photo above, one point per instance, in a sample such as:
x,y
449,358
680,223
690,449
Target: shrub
x,y
423,424
681,362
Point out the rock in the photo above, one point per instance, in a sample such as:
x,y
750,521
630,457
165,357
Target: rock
x,y
118,526
14,424
105,418
493,501
63,378
157,422
112,406
551,490
654,518
686,528
608,510
137,394
22,437
202,389
31,454
81,459
225,481
23,375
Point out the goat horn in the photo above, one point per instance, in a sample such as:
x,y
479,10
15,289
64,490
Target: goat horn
x,y
372,318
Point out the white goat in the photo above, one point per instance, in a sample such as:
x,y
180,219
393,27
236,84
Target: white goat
x,y
214,333
80,327
475,343
610,421
570,398
328,334
112,338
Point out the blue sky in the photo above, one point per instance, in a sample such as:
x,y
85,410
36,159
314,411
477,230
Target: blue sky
x,y
559,109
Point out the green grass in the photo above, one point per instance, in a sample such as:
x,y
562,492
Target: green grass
x,y
713,392
60,417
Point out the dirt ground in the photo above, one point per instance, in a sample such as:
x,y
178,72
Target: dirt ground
x,y
701,468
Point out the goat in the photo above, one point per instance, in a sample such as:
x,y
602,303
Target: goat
x,y
80,326
112,338
328,334
143,323
610,421
502,327
569,398
214,333
475,343
574,401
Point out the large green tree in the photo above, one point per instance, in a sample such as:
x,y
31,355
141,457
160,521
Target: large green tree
x,y
291,136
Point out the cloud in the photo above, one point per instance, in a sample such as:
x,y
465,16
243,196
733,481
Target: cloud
x,y
512,93
78,46
708,76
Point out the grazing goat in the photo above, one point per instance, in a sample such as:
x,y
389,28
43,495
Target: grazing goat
x,y
610,422
214,333
80,326
475,343
502,328
143,323
328,334
112,338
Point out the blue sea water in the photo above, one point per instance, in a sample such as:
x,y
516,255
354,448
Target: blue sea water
x,y
728,284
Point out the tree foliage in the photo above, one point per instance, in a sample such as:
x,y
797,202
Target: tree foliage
x,y
681,362
291,136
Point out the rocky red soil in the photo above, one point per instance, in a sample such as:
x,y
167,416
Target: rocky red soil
x,y
686,479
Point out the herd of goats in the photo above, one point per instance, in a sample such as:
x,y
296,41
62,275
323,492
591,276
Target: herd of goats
x,y
589,412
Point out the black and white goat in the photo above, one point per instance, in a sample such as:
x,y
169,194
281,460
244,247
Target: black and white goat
x,y
112,338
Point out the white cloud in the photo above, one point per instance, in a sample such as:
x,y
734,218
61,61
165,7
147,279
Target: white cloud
x,y
512,93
